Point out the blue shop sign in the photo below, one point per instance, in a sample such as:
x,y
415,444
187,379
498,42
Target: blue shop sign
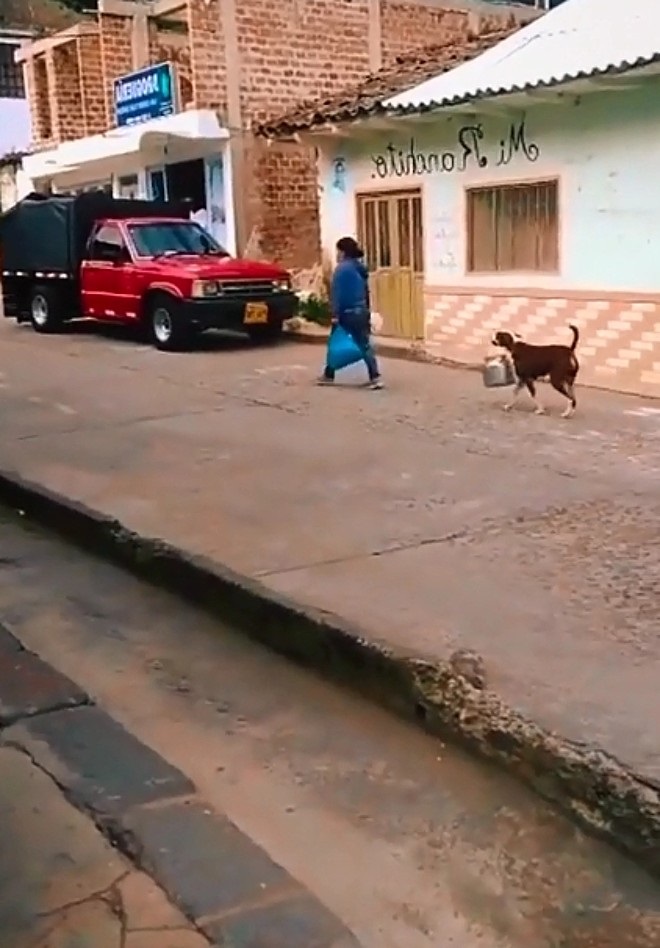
x,y
147,94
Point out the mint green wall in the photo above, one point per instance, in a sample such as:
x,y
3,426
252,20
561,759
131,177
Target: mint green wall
x,y
604,148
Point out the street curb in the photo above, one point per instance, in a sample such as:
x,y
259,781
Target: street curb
x,y
218,876
415,352
599,792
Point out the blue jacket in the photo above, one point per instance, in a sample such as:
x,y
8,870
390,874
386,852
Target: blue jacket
x,y
349,292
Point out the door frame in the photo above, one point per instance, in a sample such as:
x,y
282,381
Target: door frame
x,y
410,325
148,190
377,194
109,290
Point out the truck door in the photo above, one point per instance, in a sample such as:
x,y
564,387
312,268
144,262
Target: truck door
x,y
108,279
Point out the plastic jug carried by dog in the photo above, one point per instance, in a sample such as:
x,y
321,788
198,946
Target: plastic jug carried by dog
x,y
498,372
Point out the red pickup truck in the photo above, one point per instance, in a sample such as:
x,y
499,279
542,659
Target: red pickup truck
x,y
133,262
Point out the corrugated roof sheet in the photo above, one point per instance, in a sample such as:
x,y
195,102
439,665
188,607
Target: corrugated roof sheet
x,y
366,98
578,39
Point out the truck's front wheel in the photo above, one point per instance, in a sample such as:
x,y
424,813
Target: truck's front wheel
x,y
46,309
168,329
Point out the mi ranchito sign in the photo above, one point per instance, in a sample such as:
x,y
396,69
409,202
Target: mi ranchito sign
x,y
148,94
472,150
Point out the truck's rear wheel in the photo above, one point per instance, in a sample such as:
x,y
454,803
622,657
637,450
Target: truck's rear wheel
x,y
169,331
46,313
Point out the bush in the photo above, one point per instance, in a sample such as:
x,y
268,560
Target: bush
x,y
314,309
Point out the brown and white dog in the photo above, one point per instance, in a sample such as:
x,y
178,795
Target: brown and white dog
x,y
531,363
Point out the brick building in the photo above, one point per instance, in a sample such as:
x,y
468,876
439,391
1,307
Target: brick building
x,y
235,62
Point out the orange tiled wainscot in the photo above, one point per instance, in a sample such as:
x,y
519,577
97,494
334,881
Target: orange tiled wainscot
x,y
619,334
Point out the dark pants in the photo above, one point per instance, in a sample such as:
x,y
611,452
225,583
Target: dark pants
x,y
357,325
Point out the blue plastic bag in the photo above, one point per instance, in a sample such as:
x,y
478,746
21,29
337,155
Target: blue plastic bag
x,y
342,350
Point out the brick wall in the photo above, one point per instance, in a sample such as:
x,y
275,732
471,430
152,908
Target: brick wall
x,y
116,53
166,46
66,93
407,26
92,89
323,46
36,87
66,105
297,49
207,54
35,78
288,189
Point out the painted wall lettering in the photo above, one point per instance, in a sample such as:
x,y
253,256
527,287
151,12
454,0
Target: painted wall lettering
x,y
443,242
517,143
470,150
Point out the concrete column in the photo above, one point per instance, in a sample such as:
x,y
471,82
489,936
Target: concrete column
x,y
140,38
375,36
238,141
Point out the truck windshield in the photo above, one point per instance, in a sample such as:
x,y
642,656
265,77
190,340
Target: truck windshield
x,y
159,239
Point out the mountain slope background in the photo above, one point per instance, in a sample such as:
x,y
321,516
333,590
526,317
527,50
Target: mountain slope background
x,y
41,15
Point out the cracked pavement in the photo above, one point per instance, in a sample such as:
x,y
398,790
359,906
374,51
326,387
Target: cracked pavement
x,y
63,885
422,513
441,850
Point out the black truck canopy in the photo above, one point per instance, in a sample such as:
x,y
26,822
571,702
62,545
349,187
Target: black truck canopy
x,y
49,233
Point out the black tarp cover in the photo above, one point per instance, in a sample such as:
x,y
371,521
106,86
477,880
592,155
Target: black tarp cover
x,y
48,233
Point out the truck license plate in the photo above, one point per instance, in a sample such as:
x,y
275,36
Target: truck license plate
x,y
255,313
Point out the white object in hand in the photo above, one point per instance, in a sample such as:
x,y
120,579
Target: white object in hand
x,y
376,322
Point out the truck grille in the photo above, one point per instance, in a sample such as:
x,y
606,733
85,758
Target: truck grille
x,y
248,287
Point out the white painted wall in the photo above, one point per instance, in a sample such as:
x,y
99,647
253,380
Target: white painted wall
x,y
15,130
604,148
15,126
108,170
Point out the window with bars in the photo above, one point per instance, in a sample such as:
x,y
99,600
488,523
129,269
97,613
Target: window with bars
x,y
513,227
11,73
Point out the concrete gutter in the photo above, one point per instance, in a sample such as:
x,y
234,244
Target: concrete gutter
x,y
386,348
447,699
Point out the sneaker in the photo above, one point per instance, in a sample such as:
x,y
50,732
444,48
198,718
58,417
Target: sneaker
x,y
324,380
376,385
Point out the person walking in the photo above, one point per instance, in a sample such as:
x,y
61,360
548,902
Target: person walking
x,y
350,307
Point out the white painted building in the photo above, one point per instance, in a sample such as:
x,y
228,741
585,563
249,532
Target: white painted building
x,y
520,189
144,132
135,161
15,131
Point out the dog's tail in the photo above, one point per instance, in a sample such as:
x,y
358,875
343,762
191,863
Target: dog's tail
x,y
576,336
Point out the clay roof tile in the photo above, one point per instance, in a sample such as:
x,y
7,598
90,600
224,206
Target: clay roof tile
x,y
367,97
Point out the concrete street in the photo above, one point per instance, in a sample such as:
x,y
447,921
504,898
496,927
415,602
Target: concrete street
x,y
409,843
423,512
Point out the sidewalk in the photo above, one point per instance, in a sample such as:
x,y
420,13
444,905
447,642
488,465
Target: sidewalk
x,y
423,513
61,882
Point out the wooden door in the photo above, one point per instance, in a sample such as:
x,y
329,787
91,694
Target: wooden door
x,y
390,231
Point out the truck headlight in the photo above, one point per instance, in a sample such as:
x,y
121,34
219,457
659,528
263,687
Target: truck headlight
x,y
201,289
282,286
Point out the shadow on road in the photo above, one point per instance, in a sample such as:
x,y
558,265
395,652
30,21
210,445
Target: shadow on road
x,y
210,341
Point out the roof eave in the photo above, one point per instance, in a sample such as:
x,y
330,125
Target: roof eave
x,y
329,125
644,63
